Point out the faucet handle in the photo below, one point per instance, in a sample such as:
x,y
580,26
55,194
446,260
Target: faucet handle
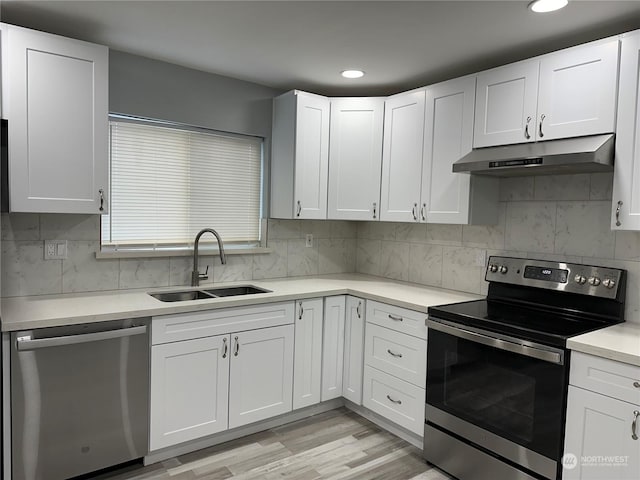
x,y
205,275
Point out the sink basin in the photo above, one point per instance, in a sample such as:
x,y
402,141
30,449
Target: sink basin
x,y
232,291
208,294
182,296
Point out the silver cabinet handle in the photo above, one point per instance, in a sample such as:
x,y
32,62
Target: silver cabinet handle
x,y
414,211
301,311
397,319
225,348
298,209
393,354
27,343
634,434
618,222
398,402
375,206
422,212
360,314
101,192
237,350
542,117
526,129
636,384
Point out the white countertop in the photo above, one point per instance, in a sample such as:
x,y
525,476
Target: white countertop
x,y
22,313
620,342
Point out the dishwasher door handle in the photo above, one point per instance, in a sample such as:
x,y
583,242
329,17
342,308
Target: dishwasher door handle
x,y
26,343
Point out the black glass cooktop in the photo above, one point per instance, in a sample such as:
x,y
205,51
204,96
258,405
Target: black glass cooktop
x,y
547,326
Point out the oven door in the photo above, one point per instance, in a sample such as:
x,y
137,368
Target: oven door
x,y
505,395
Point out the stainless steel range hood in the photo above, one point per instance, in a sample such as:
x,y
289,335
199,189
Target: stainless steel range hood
x,y
571,155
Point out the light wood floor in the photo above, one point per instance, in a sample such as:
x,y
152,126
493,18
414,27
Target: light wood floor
x,y
337,445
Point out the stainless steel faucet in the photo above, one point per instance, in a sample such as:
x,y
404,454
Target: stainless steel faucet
x,y
195,275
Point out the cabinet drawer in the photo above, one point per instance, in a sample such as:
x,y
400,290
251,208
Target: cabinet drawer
x,y
396,353
397,318
394,399
601,375
186,326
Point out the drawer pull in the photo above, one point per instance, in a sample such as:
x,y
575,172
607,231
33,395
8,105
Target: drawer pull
x,y
394,318
393,354
634,434
399,402
636,384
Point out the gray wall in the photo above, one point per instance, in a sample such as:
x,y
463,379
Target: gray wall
x,y
154,89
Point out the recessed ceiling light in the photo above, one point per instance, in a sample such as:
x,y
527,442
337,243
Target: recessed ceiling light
x,y
352,73
543,6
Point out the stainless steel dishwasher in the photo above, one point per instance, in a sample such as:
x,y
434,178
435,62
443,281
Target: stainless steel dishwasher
x,y
79,398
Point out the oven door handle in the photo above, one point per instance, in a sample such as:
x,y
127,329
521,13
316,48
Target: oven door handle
x,y
499,343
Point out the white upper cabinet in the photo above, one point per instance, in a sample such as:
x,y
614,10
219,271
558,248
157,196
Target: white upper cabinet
x,y
506,105
355,158
300,156
577,91
402,157
626,178
55,95
449,197
564,94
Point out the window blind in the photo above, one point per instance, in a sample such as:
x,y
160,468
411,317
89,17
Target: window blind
x,y
168,183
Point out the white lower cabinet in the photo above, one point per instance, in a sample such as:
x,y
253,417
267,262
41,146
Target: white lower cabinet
x,y
395,358
353,350
602,432
260,384
333,347
189,390
307,363
394,399
202,386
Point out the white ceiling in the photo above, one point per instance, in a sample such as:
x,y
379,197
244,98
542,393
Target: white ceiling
x,y
304,44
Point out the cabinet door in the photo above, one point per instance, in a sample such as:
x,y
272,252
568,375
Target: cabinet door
x,y
355,158
626,177
402,157
577,93
261,378
189,390
599,427
448,137
57,103
307,360
353,350
333,347
311,157
506,99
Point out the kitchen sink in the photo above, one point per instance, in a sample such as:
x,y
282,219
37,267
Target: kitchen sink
x,y
181,296
232,291
208,294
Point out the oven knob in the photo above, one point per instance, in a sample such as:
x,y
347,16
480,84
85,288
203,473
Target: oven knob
x,y
493,268
595,281
580,279
609,282
503,269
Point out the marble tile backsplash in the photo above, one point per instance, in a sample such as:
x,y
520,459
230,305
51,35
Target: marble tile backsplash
x,y
562,217
558,218
25,272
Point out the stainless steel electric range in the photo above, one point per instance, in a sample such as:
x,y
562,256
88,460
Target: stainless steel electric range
x,y
498,368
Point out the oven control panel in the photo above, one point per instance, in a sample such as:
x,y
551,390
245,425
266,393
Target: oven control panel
x,y
569,277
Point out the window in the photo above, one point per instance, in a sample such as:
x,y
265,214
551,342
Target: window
x,y
168,182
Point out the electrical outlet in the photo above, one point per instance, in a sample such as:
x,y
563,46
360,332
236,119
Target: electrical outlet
x,y
481,258
55,249
309,240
